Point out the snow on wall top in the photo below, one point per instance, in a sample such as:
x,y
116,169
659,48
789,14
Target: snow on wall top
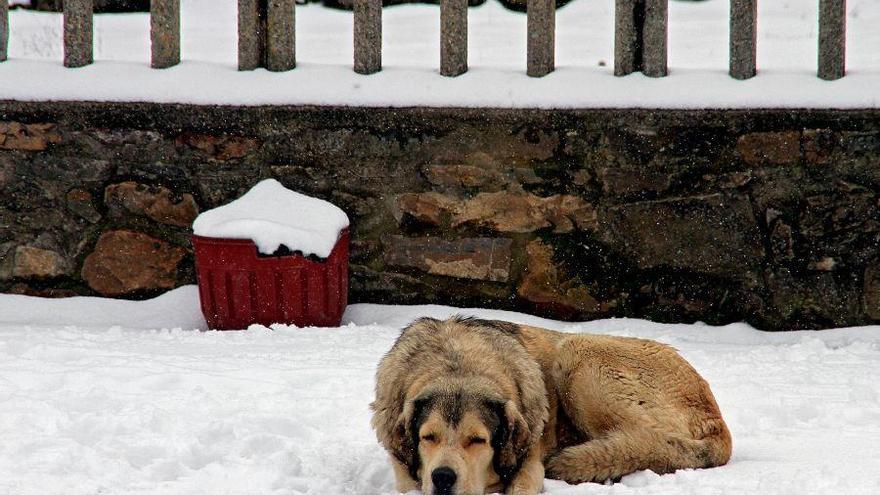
x,y
698,61
272,215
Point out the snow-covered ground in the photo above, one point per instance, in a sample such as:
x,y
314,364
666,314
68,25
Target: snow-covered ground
x,y
117,397
698,58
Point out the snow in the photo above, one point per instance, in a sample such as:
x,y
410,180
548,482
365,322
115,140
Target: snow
x,y
105,396
698,59
272,215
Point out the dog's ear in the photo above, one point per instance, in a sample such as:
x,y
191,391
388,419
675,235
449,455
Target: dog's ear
x,y
510,440
403,442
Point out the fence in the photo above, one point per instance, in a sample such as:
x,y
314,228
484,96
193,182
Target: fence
x,y
267,38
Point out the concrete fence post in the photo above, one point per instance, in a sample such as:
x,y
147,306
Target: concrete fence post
x,y
453,37
281,35
541,37
655,35
78,33
640,37
164,33
832,39
250,35
4,29
367,36
743,38
627,37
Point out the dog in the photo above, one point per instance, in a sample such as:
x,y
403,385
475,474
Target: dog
x,y
467,406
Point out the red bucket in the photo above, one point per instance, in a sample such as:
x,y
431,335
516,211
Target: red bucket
x,y
238,287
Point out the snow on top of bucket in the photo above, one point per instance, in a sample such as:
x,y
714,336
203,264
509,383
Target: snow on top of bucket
x,y
272,215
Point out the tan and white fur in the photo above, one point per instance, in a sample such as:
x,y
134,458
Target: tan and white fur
x,y
467,406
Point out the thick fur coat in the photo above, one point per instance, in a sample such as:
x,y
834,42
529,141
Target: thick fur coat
x,y
469,406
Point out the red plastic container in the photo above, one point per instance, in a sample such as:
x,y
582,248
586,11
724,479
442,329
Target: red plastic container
x,y
238,287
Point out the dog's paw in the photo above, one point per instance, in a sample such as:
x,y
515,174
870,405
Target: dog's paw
x,y
571,467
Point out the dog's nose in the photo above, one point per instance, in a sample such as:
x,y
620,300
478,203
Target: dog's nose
x,y
443,478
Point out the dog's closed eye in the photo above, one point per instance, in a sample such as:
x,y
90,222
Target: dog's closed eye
x,y
429,438
476,441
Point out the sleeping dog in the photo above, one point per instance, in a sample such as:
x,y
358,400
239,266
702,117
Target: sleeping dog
x,y
468,406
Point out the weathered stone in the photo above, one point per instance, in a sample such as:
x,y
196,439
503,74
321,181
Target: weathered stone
x,y
80,202
568,212
782,241
714,234
626,181
124,262
429,208
825,264
463,176
27,137
157,203
871,291
860,143
776,148
52,293
818,145
7,172
544,285
222,148
812,300
525,212
34,262
826,215
477,258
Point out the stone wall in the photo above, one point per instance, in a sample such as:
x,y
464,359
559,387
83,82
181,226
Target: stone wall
x,y
766,216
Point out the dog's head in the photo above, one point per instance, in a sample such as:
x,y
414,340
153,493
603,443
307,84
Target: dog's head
x,y
462,442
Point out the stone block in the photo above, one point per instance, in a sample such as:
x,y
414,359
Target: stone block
x,y
713,234
81,203
124,262
545,286
34,262
871,291
27,137
770,148
155,202
469,176
429,208
477,258
818,145
520,212
221,148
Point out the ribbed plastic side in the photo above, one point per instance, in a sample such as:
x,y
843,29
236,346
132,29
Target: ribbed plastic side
x,y
238,288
